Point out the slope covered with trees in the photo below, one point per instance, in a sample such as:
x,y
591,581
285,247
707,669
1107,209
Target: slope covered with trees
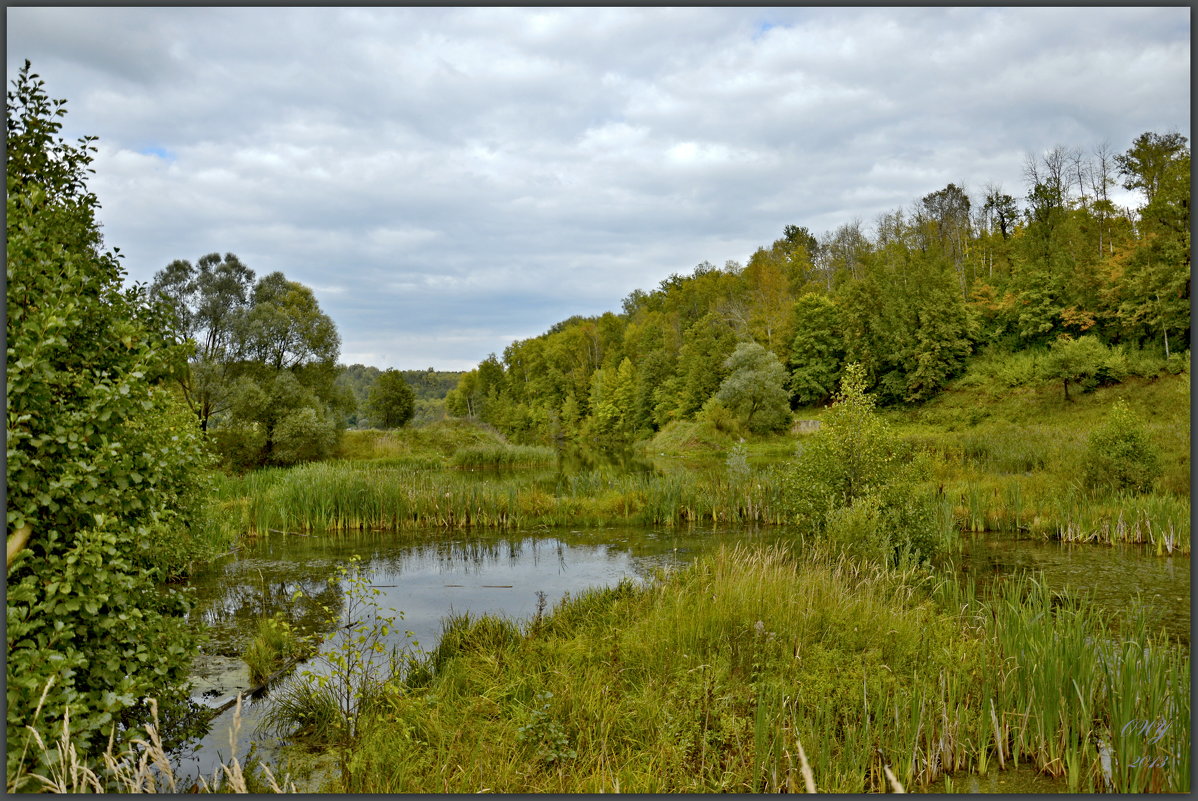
x,y
909,301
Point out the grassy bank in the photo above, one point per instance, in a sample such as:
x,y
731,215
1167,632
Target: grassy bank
x,y
1016,459
367,496
1011,461
710,679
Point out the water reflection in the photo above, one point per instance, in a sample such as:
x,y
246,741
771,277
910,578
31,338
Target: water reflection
x,y
430,574
1115,577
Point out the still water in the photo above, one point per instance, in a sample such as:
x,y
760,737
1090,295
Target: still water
x,y
427,575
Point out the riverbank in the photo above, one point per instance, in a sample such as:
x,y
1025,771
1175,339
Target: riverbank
x,y
709,678
993,461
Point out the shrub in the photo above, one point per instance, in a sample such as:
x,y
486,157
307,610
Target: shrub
x,y
239,449
303,436
1120,455
853,481
102,468
1084,361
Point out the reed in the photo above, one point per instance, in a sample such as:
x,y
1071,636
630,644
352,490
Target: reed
x,y
503,456
347,496
709,678
143,767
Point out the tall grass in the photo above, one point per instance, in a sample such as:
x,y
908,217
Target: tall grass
x,y
144,767
503,455
343,496
1071,690
709,679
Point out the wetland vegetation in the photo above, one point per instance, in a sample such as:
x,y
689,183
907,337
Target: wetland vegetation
x,y
871,405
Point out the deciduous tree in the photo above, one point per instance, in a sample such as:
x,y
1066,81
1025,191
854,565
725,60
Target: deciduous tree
x,y
102,467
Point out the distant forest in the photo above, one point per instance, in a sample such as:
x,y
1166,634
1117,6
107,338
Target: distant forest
x,y
428,386
910,301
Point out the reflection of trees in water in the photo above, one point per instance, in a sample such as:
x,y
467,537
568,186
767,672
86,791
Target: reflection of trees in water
x,y
231,605
232,597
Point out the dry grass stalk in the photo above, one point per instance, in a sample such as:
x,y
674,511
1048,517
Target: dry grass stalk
x,y
894,782
808,776
144,768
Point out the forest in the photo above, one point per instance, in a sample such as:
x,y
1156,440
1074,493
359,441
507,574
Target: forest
x,y
1059,270
800,451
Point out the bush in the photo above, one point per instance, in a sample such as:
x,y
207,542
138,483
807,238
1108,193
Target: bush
x,y
303,436
240,448
854,481
1120,456
103,470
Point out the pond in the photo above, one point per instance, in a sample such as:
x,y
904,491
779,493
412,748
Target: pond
x,y
428,575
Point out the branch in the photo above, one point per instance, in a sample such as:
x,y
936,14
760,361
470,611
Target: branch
x,y
16,542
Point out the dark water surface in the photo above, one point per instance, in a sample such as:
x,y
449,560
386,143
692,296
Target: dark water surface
x,y
427,575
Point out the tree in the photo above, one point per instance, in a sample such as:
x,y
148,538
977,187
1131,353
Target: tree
x,y
208,301
817,351
104,471
755,388
1075,360
947,212
852,483
391,402
1148,161
284,327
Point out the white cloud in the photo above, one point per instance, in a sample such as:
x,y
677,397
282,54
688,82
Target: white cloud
x,y
446,177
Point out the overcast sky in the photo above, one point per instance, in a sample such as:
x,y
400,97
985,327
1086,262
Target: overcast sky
x,y
450,180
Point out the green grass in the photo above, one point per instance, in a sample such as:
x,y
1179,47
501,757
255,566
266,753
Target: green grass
x,y
433,444
708,679
275,643
1015,459
503,455
345,495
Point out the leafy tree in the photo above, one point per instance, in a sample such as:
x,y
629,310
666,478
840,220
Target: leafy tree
x,y
208,301
755,388
1147,163
103,469
702,362
284,327
817,351
1120,455
1075,360
391,402
853,482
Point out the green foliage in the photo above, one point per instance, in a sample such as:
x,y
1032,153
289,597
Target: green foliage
x,y
754,389
1080,361
333,697
304,435
263,353
207,301
1120,455
274,644
102,468
391,402
854,481
817,351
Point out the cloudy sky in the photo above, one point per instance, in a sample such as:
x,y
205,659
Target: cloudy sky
x,y
450,180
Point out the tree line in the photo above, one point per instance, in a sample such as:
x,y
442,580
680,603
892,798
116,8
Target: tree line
x,y
1060,269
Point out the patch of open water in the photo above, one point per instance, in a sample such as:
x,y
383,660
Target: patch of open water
x,y
428,575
